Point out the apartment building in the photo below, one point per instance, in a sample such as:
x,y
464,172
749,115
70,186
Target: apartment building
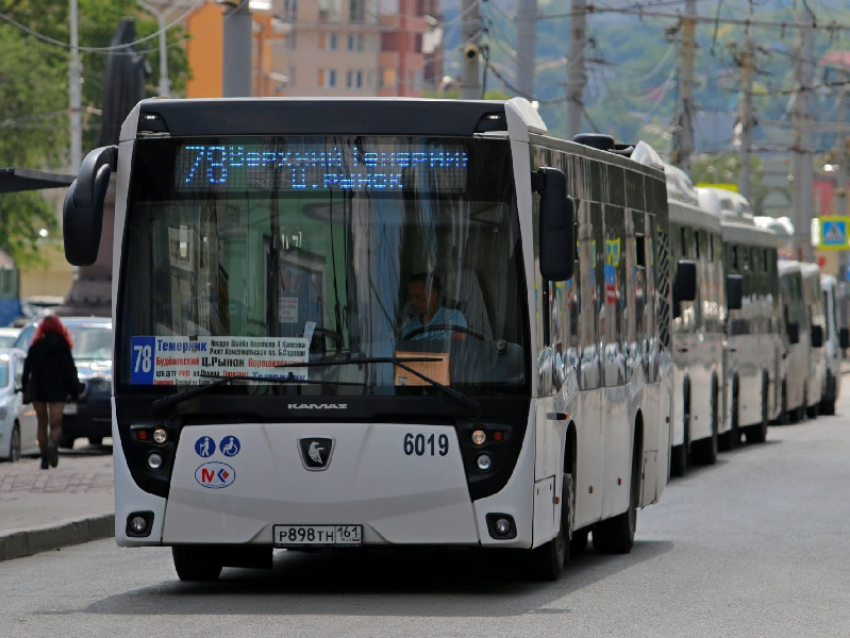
x,y
339,48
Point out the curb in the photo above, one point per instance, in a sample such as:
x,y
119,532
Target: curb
x,y
49,537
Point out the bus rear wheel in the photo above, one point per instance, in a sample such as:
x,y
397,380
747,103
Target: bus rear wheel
x,y
196,563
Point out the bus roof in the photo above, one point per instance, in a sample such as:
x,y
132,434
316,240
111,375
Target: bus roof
x,y
782,226
682,195
788,266
324,116
809,270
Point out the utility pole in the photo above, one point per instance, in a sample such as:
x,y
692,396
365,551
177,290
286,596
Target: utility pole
x,y
686,79
802,197
470,77
841,158
236,50
748,59
576,77
526,47
74,91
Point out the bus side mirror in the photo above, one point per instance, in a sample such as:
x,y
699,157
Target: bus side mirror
x,y
844,338
734,292
793,332
557,225
817,336
685,287
82,217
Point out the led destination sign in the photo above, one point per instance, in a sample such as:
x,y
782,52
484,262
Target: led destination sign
x,y
316,167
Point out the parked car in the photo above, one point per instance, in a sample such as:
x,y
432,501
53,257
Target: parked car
x,y
8,337
18,423
91,416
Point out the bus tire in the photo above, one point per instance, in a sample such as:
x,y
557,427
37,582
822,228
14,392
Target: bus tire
x,y
617,535
812,412
758,433
547,561
782,418
196,563
827,404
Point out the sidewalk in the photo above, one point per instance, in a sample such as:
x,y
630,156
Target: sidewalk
x,y
41,510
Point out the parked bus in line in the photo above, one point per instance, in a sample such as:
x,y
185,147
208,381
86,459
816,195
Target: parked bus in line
x,y
382,324
797,341
836,341
754,331
816,377
699,331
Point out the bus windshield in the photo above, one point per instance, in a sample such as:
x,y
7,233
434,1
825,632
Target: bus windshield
x,y
261,253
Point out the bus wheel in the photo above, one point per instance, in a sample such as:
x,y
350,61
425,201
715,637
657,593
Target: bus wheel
x,y
196,563
827,404
548,560
617,535
758,433
813,411
782,419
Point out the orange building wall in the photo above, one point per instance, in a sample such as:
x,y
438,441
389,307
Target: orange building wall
x,y
203,49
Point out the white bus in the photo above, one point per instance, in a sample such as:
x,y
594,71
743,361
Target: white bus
x,y
836,340
754,330
699,329
365,323
797,347
816,376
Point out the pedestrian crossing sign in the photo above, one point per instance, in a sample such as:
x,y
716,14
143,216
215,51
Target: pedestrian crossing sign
x,y
834,233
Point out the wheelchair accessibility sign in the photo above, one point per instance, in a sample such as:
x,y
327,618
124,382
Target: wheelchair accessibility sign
x,y
833,233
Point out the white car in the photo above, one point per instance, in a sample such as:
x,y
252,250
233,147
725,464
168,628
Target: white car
x,y
18,423
8,336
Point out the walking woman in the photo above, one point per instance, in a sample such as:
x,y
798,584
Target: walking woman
x,y
50,377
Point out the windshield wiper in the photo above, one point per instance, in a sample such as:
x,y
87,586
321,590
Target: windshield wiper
x,y
458,396
178,397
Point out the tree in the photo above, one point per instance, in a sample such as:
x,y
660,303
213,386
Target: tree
x,y
34,97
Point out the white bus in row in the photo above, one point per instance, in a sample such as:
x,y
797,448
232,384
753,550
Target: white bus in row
x,y
380,323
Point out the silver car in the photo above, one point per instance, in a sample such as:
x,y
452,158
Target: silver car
x,y
18,423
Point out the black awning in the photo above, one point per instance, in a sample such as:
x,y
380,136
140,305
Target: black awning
x,y
13,180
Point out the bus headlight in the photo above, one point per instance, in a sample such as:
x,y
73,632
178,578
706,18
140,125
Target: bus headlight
x,y
160,435
479,437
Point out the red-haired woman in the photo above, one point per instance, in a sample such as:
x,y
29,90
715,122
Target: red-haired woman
x,y
50,377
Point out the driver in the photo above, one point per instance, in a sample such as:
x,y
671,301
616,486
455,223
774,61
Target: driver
x,y
424,291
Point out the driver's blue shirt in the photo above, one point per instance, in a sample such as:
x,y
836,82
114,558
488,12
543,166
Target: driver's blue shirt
x,y
442,317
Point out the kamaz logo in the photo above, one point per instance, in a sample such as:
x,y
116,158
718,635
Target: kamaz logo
x,y
318,406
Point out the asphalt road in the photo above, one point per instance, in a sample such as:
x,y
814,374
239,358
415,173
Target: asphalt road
x,y
753,546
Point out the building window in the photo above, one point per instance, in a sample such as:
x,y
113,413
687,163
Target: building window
x,y
351,42
331,77
289,9
356,10
332,41
358,78
417,46
359,41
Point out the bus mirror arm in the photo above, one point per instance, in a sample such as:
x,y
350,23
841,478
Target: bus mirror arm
x,y
557,224
83,208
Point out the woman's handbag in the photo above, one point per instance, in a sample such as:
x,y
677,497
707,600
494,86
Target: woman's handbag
x,y
26,393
